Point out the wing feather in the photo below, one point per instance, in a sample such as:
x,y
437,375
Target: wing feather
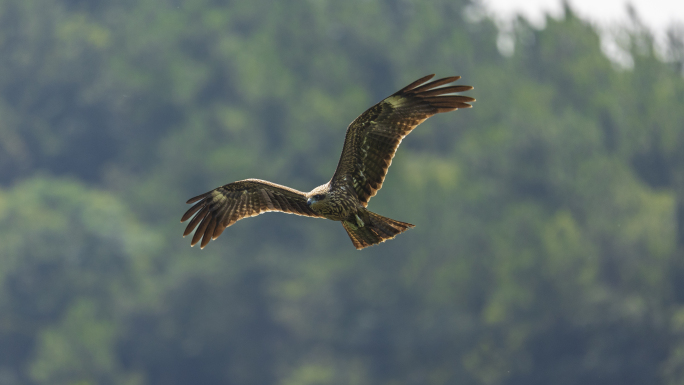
x,y
435,83
217,209
447,90
416,83
208,233
373,138
191,212
200,230
195,221
218,230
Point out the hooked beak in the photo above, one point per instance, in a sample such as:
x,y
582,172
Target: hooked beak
x,y
310,201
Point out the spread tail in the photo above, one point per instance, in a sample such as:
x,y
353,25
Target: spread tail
x,y
378,230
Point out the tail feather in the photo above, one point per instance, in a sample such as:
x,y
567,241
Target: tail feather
x,y
378,230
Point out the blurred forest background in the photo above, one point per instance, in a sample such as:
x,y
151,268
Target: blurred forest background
x,y
549,239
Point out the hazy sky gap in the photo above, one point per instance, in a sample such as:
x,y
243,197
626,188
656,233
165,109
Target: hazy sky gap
x,y
657,15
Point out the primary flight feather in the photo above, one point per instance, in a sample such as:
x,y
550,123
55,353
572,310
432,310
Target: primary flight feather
x,y
370,144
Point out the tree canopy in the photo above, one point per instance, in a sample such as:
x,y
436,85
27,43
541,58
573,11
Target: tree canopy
x,y
549,239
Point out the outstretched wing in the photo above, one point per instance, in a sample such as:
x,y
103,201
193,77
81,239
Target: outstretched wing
x,y
373,138
221,207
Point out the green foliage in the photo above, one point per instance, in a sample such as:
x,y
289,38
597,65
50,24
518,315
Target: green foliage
x,y
72,259
550,217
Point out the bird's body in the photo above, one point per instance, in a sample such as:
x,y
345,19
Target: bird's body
x,y
370,144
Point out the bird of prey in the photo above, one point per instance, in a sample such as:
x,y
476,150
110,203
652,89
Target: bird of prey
x,y
369,146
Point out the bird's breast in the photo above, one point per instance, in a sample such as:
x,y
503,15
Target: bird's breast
x,y
338,206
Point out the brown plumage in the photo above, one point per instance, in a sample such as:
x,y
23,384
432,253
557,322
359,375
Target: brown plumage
x,y
370,144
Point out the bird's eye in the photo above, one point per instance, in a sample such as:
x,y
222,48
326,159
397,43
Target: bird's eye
x,y
319,197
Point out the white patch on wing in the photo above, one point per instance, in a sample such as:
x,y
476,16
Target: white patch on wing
x,y
395,100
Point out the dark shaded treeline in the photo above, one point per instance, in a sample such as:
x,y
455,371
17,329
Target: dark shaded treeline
x,y
549,218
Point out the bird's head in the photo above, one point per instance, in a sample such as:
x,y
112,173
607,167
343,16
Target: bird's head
x,y
317,196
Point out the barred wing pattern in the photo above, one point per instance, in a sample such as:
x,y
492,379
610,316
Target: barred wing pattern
x,y
217,209
373,138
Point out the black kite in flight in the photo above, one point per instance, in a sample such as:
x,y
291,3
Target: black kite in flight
x,y
369,146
